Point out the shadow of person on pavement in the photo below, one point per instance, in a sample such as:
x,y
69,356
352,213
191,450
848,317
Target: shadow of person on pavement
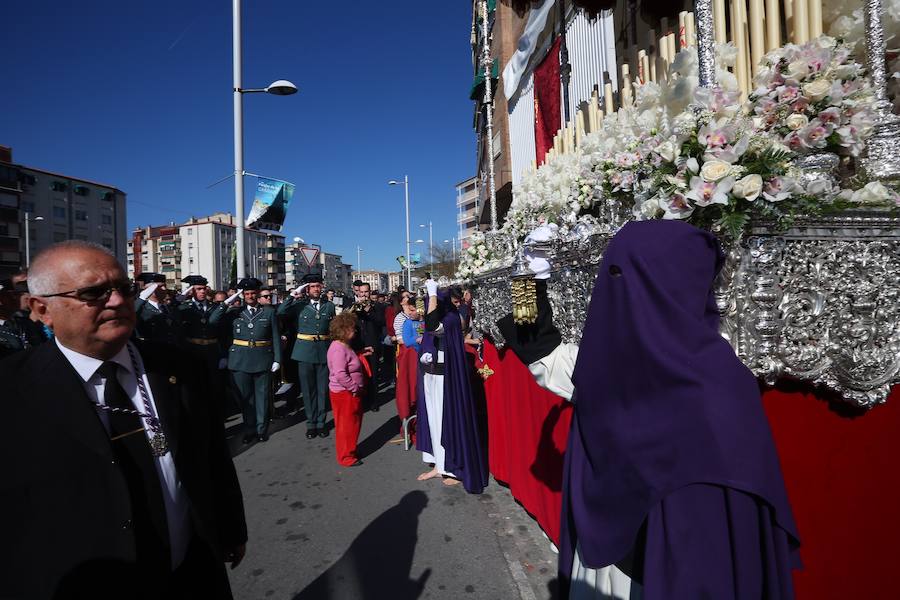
x,y
378,438
377,564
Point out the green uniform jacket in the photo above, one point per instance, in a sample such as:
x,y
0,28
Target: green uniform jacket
x,y
154,325
197,324
261,327
309,322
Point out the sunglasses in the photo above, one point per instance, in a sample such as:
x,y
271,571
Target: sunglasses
x,y
265,295
98,293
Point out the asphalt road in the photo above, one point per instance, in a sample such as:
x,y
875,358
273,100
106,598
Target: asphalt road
x,y
325,532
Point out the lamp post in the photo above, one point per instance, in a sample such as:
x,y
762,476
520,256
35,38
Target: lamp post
x,y
359,260
280,87
29,219
430,245
405,183
452,241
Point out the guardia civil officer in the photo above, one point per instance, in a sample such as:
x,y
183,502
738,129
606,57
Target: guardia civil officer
x,y
156,321
313,316
17,331
254,355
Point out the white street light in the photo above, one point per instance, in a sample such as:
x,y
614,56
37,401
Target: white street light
x,y
29,219
452,241
280,87
405,184
430,245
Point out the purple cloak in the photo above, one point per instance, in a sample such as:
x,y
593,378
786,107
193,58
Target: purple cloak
x,y
669,438
423,431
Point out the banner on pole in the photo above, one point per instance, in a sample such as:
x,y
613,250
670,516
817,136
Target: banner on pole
x,y
270,205
309,255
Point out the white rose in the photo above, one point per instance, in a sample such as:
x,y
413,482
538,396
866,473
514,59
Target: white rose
x,y
797,69
714,170
748,187
873,193
667,151
796,121
816,90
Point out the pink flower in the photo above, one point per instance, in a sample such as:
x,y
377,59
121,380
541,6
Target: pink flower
x,y
704,193
676,207
815,135
800,105
794,141
788,93
777,189
830,116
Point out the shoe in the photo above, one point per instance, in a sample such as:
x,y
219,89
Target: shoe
x,y
311,433
248,439
264,437
323,433
375,409
356,464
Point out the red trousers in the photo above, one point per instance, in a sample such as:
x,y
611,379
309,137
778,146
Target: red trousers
x,y
348,414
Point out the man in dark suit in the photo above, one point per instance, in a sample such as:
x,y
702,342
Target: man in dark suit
x,y
119,483
369,335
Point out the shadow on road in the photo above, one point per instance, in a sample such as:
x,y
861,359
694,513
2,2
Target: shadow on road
x,y
377,564
378,438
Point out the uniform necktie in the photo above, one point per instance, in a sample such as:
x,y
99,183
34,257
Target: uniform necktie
x,y
133,454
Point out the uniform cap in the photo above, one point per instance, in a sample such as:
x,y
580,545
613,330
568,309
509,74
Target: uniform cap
x,y
194,280
149,277
249,283
312,278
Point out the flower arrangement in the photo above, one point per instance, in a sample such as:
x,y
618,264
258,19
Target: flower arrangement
x,y
814,98
477,258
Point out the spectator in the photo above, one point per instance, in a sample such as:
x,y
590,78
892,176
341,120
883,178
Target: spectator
x,y
346,385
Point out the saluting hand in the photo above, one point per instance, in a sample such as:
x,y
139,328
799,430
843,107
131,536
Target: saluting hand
x,y
299,290
275,367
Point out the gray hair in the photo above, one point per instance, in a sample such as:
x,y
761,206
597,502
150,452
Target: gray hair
x,y
41,277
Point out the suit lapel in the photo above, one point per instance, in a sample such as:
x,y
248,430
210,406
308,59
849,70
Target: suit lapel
x,y
59,392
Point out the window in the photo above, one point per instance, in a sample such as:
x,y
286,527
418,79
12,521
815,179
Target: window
x,y
80,215
28,206
27,179
4,228
107,243
59,212
9,200
108,196
190,245
59,236
58,186
81,190
190,232
106,219
81,236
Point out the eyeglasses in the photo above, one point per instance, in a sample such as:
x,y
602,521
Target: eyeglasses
x,y
265,295
98,293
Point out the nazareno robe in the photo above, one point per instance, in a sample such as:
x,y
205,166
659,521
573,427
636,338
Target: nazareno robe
x,y
671,470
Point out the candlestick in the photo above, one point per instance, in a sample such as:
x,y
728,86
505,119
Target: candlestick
x,y
801,22
882,159
718,15
757,34
815,18
706,56
691,30
773,25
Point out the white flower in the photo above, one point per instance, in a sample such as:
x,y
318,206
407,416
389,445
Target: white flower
x,y
646,210
873,193
797,69
816,90
667,150
714,170
819,187
748,188
704,193
796,121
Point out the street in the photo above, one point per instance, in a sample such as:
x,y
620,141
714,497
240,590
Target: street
x,y
321,531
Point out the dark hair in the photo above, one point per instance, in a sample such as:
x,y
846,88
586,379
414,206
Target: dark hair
x,y
456,293
357,283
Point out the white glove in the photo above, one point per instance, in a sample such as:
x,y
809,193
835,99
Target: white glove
x,y
540,267
233,297
543,233
148,291
432,287
298,290
427,359
275,367
223,362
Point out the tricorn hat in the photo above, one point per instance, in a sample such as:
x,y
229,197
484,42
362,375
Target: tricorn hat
x,y
194,280
312,278
249,283
150,277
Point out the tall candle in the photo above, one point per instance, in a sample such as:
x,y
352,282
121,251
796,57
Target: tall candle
x,y
579,127
737,34
570,137
626,85
788,19
682,29
663,45
757,34
608,98
593,107
801,22
773,24
643,66
653,52
815,18
719,21
673,49
691,30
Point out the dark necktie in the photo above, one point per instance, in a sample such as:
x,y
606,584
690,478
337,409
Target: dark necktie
x,y
138,466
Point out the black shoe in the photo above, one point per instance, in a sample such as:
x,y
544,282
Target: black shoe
x,y
263,437
311,433
323,433
248,439
357,463
375,408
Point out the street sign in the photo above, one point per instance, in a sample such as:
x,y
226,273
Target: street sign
x,y
309,255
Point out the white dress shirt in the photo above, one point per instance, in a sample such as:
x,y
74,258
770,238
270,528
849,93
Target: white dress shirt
x,y
174,496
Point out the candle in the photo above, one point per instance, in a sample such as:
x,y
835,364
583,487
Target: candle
x,y
663,67
682,29
579,127
773,25
570,137
626,85
719,21
815,18
757,34
643,66
673,48
789,19
608,97
801,22
652,52
593,107
691,32
737,34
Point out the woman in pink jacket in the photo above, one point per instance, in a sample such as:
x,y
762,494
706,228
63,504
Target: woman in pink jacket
x,y
347,374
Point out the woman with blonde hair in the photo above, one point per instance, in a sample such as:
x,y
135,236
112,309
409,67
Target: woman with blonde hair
x,y
347,373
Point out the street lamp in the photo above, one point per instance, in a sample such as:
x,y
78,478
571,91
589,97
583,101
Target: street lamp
x,y
359,261
405,183
29,219
280,87
453,242
430,245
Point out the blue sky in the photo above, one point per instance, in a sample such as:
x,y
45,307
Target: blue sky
x,y
138,95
